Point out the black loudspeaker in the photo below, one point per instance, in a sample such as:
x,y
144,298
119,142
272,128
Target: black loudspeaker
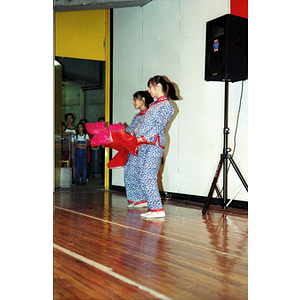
x,y
226,56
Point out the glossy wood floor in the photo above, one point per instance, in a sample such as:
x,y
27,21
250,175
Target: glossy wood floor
x,y
102,250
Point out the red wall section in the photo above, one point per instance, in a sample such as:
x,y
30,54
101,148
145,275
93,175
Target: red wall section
x,y
239,8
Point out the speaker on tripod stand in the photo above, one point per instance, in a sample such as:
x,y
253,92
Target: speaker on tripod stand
x,y
226,49
226,60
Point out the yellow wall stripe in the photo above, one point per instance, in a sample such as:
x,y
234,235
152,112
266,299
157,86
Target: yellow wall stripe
x,y
107,91
80,34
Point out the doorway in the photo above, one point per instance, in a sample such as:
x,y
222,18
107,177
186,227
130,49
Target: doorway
x,y
83,95
82,48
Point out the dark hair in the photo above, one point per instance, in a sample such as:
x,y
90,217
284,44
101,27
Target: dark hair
x,y
171,94
69,114
101,118
83,120
83,127
144,94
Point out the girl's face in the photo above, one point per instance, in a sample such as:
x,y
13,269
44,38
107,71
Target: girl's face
x,y
152,90
139,103
80,128
69,119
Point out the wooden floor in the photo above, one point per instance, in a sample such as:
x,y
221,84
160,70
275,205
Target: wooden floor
x,y
102,250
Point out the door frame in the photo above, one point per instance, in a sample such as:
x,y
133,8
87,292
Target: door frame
x,y
107,46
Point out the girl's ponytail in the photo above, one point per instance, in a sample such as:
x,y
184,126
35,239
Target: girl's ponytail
x,y
171,91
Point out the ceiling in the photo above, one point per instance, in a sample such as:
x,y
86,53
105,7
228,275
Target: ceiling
x,y
73,5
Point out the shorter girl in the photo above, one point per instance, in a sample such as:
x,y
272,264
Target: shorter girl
x,y
135,196
81,141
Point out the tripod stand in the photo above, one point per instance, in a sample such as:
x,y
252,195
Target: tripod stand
x,y
225,156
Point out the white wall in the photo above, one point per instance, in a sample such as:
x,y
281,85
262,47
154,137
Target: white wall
x,y
167,37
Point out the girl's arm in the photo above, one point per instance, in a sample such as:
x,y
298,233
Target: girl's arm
x,y
72,134
155,123
68,133
83,146
132,125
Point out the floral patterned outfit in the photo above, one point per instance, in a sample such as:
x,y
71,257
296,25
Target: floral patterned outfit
x,y
132,184
151,130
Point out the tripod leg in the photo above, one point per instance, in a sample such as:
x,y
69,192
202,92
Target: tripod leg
x,y
218,191
225,178
213,186
238,173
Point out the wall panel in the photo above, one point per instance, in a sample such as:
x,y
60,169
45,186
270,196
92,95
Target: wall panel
x,y
127,68
168,38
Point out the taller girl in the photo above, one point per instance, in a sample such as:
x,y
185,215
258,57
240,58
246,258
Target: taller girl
x,y
151,131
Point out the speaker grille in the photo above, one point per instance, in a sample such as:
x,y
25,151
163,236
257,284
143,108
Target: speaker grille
x,y
216,58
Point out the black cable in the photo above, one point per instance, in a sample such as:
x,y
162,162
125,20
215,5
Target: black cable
x,y
237,119
236,127
237,124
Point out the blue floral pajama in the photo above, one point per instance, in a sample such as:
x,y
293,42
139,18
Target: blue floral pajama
x,y
152,131
133,188
149,163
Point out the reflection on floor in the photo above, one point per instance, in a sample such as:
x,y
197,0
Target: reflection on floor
x,y
92,184
102,250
